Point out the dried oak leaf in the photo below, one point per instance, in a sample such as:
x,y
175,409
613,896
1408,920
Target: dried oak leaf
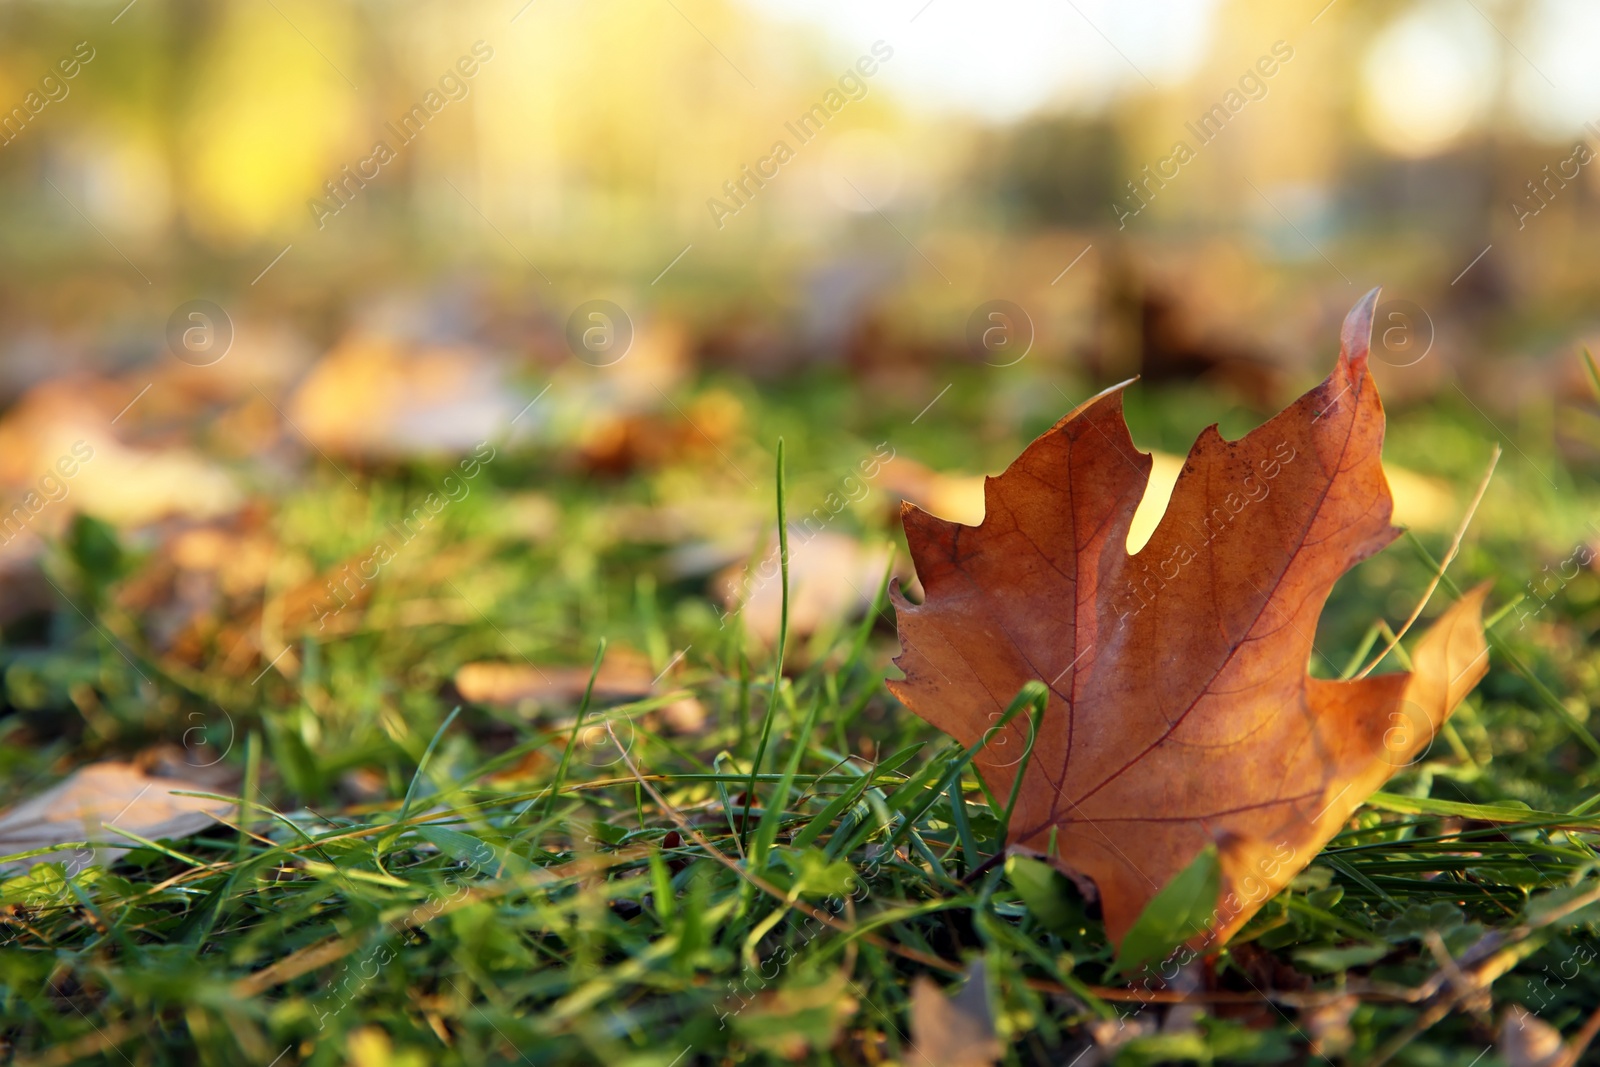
x,y
1180,710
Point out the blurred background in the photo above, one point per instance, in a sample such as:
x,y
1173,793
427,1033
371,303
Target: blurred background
x,y
593,145
281,265
231,152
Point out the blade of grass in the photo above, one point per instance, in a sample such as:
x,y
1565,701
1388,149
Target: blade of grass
x,y
963,825
422,764
572,739
1495,813
783,638
778,803
910,790
1040,699
1439,568
252,783
1349,871
848,799
1376,630
1503,650
1031,693
721,783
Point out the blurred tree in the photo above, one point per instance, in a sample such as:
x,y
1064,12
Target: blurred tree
x,y
1052,170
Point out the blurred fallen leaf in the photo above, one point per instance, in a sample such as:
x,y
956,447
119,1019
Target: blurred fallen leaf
x,y
957,497
800,1016
200,626
619,443
532,764
1328,1026
198,574
263,357
369,1046
1421,502
832,577
379,399
60,452
92,802
953,1031
684,717
1525,1040
624,675
659,358
364,785
129,487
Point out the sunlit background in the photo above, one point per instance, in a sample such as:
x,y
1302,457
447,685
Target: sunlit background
x,y
245,243
992,145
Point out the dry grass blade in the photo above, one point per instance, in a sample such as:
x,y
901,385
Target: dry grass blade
x,y
1444,563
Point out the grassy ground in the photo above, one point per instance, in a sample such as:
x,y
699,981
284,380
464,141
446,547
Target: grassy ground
x,y
506,889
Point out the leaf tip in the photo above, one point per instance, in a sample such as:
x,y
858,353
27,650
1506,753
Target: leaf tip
x,y
1355,337
1111,392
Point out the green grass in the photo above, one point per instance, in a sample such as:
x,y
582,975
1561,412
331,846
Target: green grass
x,y
767,889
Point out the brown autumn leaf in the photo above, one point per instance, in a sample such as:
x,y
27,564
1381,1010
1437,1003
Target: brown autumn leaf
x,y
1180,713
